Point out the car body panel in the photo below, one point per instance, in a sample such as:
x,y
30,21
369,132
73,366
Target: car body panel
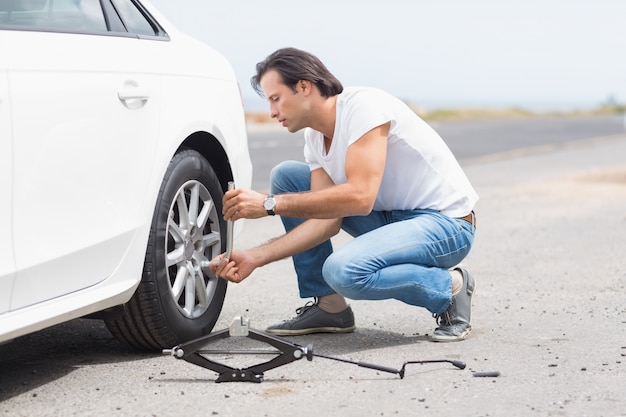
x,y
79,182
7,261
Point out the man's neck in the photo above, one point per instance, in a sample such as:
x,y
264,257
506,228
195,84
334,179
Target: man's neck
x,y
325,117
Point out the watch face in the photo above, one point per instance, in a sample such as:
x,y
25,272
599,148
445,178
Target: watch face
x,y
269,203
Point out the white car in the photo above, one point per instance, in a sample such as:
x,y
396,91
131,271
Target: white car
x,y
118,137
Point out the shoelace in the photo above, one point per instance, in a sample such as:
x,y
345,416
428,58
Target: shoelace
x,y
301,310
442,319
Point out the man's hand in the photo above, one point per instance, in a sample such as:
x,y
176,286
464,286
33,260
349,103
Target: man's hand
x,y
243,204
236,269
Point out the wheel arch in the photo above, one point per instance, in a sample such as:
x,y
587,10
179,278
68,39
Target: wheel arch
x,y
211,148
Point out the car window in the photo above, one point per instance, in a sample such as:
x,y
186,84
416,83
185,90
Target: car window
x,y
59,15
133,18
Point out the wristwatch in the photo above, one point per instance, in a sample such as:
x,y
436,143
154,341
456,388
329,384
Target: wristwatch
x,y
269,204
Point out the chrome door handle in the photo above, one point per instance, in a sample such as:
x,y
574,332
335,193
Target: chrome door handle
x,y
133,93
133,96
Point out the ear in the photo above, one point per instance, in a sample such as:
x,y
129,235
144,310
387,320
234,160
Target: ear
x,y
304,87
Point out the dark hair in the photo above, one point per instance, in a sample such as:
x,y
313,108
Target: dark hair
x,y
294,65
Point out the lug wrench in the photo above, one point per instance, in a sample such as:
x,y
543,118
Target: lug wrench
x,y
401,371
229,238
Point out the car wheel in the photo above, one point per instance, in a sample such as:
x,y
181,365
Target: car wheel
x,y
177,300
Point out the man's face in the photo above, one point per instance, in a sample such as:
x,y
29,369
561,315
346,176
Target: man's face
x,y
285,105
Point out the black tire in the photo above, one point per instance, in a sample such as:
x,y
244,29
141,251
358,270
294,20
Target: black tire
x,y
177,300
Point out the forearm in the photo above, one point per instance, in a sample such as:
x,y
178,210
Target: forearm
x,y
306,236
335,202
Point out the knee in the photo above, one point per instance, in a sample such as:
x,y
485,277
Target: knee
x,y
335,273
290,176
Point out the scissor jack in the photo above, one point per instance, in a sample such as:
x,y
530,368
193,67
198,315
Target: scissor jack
x,y
194,352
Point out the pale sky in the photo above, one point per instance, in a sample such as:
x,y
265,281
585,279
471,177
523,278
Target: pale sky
x,y
541,54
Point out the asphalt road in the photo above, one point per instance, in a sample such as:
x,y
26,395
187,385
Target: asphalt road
x,y
549,312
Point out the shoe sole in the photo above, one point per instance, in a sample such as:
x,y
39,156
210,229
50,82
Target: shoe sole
x,y
444,338
300,332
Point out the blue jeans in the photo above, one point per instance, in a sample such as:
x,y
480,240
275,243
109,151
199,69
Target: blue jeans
x,y
400,254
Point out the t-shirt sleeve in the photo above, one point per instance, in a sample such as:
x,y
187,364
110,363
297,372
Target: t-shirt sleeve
x,y
362,113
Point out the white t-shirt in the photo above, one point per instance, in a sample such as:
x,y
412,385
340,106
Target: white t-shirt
x,y
420,171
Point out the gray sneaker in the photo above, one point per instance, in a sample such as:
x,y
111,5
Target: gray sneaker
x,y
454,323
312,319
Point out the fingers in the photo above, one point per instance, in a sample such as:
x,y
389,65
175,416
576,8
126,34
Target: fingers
x,y
225,269
229,203
234,201
243,204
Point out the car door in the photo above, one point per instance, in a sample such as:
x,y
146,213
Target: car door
x,y
7,265
85,118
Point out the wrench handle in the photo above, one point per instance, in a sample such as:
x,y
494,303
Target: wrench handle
x,y
229,228
378,367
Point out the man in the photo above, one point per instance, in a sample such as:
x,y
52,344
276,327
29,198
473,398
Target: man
x,y
376,170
